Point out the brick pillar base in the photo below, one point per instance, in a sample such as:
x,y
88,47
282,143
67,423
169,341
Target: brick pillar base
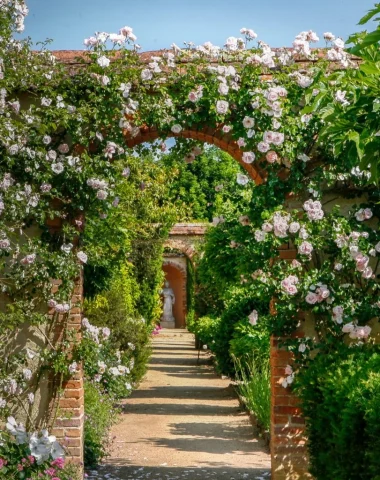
x,y
288,440
68,426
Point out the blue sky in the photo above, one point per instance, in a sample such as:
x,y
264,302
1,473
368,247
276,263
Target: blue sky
x,y
158,23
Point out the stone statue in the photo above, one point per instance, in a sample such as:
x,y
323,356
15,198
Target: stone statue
x,y
167,319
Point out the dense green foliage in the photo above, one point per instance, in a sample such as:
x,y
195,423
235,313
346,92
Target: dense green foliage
x,y
340,394
254,389
205,184
100,414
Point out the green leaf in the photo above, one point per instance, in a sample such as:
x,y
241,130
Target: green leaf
x,y
370,68
370,14
370,39
355,137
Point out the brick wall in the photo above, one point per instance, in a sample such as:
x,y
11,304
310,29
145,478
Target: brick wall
x,y
69,421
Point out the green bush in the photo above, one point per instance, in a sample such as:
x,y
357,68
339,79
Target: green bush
x,y
251,344
340,394
117,309
254,387
205,328
100,415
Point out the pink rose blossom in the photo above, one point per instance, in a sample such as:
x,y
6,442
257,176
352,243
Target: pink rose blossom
x,y
305,248
271,156
248,157
222,107
263,147
311,298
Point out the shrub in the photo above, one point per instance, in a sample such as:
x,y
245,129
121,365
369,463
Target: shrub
x,y
254,387
100,415
117,309
340,394
206,328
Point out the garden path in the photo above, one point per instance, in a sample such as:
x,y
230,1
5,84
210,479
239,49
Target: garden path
x,y
184,422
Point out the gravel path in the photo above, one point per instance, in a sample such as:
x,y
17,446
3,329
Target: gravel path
x,y
184,422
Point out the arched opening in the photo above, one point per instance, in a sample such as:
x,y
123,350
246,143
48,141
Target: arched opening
x,y
175,274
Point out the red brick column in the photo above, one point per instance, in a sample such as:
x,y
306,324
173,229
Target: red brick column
x,y
288,441
68,427
67,406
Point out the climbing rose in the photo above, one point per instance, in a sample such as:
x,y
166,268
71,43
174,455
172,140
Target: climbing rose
x,y
73,367
313,210
248,122
305,248
271,156
242,179
263,147
176,128
288,284
311,298
363,214
260,235
248,157
146,74
103,61
82,257
222,107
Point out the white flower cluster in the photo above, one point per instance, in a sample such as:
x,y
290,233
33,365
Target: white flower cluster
x,y
288,380
357,332
100,185
95,333
42,445
313,209
124,36
288,284
317,294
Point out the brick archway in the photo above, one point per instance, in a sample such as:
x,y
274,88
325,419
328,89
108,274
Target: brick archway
x,y
289,455
213,136
176,274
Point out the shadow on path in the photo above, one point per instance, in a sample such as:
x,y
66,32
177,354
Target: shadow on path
x,y
184,422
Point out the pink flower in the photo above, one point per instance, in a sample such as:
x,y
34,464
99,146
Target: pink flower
x,y
288,284
294,227
2,463
50,472
263,147
288,370
248,157
267,227
226,128
222,107
305,248
271,156
361,262
313,209
311,298
363,214
58,462
367,273
248,122
63,148
296,264
241,142
244,220
348,328
193,96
